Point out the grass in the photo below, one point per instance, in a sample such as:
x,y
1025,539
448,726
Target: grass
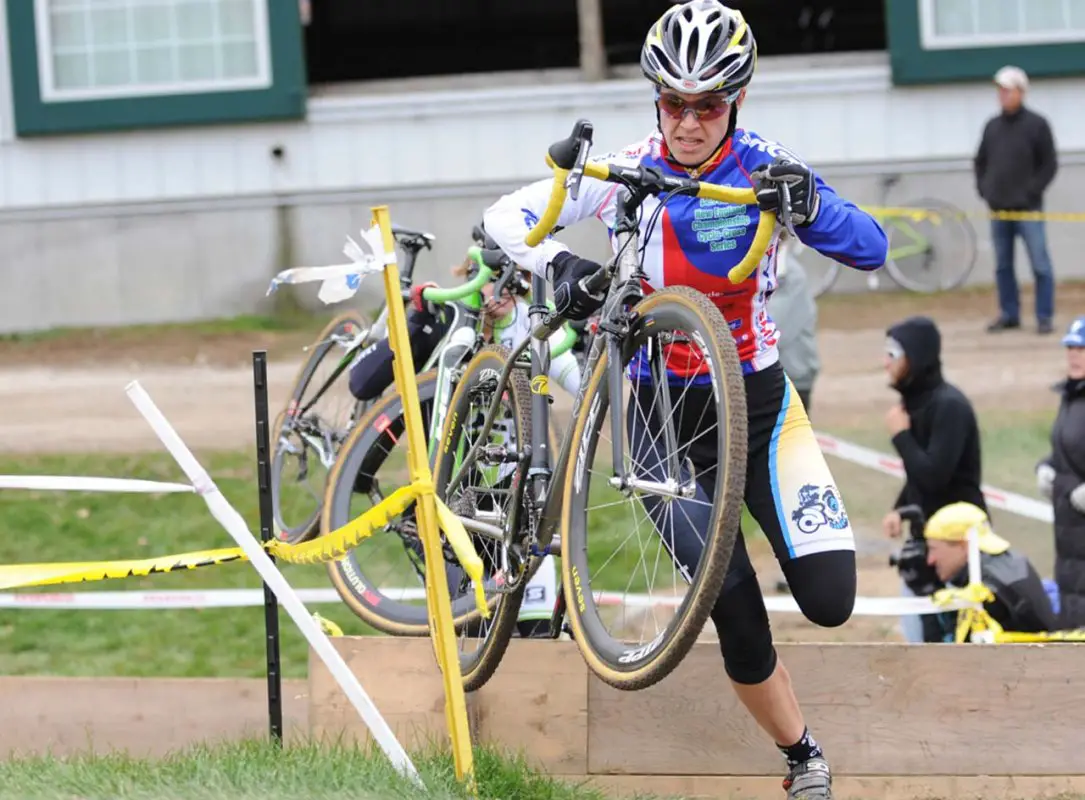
x,y
256,770
72,526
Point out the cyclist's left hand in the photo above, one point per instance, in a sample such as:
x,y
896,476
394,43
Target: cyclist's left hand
x,y
805,200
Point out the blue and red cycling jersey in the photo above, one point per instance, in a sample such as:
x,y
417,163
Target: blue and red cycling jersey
x,y
696,242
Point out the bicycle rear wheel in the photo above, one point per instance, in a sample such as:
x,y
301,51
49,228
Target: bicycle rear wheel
x,y
304,447
672,443
382,580
932,254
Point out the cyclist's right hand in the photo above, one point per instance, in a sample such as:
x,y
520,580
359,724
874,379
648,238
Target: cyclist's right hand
x,y
892,524
571,300
419,303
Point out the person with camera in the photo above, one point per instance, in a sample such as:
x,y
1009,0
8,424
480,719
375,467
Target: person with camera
x,y
1020,603
933,429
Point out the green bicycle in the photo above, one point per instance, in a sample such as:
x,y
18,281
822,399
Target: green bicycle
x,y
930,252
383,580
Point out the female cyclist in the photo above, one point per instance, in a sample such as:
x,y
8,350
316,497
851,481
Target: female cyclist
x,y
700,57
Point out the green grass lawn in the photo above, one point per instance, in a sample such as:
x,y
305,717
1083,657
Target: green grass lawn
x,y
62,526
73,526
256,770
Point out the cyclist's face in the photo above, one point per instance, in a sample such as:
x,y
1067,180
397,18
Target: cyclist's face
x,y
497,308
947,558
1075,363
693,125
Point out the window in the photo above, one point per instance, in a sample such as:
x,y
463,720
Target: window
x,y
947,24
97,49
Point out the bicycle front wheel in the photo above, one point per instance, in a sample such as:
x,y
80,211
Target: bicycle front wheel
x,y
676,494
488,492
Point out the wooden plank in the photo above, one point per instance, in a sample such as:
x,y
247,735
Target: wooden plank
x,y
876,709
537,703
143,716
980,787
402,678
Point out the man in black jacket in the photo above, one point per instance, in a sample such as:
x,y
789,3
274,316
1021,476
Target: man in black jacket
x,y
934,430
1015,164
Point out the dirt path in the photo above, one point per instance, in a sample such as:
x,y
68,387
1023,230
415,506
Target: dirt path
x,y
204,385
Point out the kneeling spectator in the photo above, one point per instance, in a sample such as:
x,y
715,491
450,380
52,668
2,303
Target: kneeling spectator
x,y
1021,603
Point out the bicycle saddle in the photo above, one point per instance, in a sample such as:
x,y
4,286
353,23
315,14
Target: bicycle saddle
x,y
409,237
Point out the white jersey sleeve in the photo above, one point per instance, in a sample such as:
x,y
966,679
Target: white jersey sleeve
x,y
565,369
510,218
513,215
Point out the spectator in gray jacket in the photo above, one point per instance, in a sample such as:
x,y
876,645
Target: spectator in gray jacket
x,y
793,309
1015,164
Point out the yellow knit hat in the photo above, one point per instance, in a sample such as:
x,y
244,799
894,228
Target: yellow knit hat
x,y
953,522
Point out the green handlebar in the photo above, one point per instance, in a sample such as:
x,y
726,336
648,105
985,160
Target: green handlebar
x,y
435,294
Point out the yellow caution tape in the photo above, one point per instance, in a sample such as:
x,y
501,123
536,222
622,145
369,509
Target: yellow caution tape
x,y
941,215
342,540
15,575
327,548
326,625
465,553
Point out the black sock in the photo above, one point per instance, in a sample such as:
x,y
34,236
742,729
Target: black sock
x,y
802,751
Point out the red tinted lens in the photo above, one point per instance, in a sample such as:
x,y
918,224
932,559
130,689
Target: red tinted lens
x,y
707,108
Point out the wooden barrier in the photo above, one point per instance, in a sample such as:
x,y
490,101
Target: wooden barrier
x,y
897,721
142,716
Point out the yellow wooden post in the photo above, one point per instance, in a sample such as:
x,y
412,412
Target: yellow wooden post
x,y
437,594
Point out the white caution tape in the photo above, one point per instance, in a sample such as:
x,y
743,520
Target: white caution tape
x,y
890,465
340,282
71,483
247,598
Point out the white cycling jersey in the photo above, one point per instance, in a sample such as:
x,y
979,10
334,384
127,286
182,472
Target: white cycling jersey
x,y
516,326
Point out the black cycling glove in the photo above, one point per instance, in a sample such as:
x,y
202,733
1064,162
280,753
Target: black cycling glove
x,y
571,300
805,200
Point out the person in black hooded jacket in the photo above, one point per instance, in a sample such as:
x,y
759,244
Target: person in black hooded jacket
x,y
1061,477
934,431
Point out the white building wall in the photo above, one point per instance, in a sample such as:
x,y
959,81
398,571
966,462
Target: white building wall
x,y
185,223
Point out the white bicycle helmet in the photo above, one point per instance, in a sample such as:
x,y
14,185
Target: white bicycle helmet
x,y
700,46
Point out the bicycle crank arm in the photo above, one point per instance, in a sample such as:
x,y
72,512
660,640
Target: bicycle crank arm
x,y
668,488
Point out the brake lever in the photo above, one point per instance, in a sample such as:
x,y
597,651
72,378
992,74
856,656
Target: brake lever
x,y
785,208
576,174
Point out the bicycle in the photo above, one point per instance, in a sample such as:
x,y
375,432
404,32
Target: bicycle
x,y
370,466
301,432
917,260
657,330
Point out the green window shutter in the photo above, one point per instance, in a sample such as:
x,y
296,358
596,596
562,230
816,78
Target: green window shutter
x,y
275,92
912,63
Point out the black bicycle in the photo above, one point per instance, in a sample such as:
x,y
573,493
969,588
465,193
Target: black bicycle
x,y
321,411
646,353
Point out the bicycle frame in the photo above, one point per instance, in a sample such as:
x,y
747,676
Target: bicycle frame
x,y
615,324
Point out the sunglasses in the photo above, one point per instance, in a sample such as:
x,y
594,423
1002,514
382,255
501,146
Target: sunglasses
x,y
893,349
707,108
